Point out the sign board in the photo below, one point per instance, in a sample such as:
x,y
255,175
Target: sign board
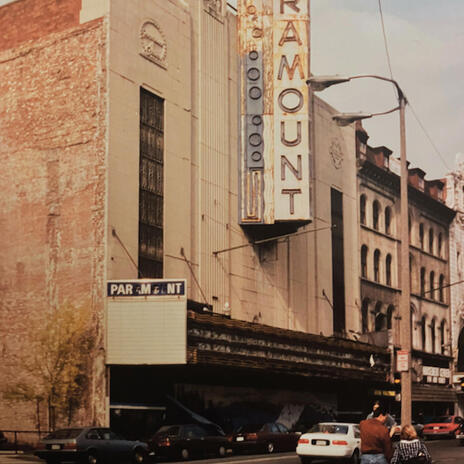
x,y
402,361
274,110
147,322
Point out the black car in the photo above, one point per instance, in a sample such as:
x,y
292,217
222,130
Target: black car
x,y
90,445
188,440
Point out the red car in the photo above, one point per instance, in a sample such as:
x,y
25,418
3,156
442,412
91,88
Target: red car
x,y
443,426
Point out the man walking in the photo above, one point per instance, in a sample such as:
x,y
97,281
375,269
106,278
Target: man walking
x,y
376,447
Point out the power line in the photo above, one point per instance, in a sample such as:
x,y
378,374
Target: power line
x,y
385,39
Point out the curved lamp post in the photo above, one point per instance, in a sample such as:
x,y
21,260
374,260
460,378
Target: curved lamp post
x,y
319,83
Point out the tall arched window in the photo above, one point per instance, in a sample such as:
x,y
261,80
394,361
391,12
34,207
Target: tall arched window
x,y
421,235
443,337
379,317
431,241
388,263
440,244
422,281
432,285
365,315
441,291
423,332
388,220
375,214
460,364
364,261
362,209
390,314
433,335
377,265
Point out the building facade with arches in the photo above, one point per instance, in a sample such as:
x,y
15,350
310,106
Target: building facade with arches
x,y
380,286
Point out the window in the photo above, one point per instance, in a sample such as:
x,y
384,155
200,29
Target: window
x,y
388,277
362,209
431,241
390,315
379,318
441,293
377,265
422,281
364,261
151,190
364,315
421,235
440,244
375,215
442,337
388,220
432,285
423,333
432,334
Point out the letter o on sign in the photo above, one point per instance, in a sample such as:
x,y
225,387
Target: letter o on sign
x,y
291,100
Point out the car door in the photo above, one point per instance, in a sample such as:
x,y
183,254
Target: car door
x,y
356,437
192,439
287,440
95,443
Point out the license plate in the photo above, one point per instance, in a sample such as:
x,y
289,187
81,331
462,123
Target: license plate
x,y
321,443
239,439
56,447
436,428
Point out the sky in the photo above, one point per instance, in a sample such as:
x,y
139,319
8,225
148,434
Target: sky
x,y
426,47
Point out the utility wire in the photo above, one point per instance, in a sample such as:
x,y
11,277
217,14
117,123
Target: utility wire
x,y
385,39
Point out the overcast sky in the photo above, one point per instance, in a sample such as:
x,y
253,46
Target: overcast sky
x,y
426,45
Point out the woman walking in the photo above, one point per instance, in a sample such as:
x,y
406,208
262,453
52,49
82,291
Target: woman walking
x,y
410,449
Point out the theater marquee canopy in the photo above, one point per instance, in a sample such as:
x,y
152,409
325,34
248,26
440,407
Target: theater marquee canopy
x,y
275,151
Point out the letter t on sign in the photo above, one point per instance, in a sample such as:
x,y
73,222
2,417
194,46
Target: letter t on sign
x,y
292,193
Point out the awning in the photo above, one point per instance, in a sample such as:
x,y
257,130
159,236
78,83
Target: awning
x,y
433,393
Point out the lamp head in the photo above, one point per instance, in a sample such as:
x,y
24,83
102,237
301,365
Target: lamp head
x,y
344,119
319,83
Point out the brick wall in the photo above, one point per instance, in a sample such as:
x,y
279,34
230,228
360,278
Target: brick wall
x,y
25,20
53,97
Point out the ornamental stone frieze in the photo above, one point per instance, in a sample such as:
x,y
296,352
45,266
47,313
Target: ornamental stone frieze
x,y
153,44
336,153
215,8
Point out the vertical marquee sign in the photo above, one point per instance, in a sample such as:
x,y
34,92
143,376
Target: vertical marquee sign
x,y
274,108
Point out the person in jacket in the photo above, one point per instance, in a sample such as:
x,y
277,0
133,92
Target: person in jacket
x,y
410,448
376,447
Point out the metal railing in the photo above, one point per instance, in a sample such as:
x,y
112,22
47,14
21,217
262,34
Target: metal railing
x,y
21,440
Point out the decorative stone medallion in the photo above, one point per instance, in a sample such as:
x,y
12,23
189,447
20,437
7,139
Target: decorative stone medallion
x,y
336,153
214,8
153,45
460,219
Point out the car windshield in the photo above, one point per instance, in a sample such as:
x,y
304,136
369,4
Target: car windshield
x,y
250,428
329,428
63,433
442,420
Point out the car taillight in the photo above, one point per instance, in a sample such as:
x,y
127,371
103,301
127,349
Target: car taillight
x,y
251,436
70,446
339,442
164,442
230,438
303,441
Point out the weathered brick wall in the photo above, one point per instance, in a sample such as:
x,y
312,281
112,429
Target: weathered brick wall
x,y
25,20
53,104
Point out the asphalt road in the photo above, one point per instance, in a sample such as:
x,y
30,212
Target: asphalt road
x,y
442,452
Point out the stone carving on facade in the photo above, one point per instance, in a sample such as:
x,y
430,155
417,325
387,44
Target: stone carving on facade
x,y
460,219
215,8
153,44
336,153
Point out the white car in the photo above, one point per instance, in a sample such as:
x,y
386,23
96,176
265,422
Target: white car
x,y
330,440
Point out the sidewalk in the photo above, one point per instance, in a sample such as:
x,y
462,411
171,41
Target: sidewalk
x,y
9,457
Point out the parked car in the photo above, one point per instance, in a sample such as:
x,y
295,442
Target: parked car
x,y
188,440
330,440
443,426
268,437
90,445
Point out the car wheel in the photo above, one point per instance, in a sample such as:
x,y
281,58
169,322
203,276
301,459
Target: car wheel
x,y
92,457
184,454
305,460
139,456
355,459
221,451
270,447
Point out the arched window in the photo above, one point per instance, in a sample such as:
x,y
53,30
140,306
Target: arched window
x,y
390,314
423,332
375,214
443,337
421,235
362,209
441,292
409,226
432,285
440,244
431,241
364,261
388,220
365,315
379,317
433,335
377,265
388,276
422,281
460,366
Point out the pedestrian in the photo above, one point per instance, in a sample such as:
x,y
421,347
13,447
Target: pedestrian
x,y
376,447
410,449
390,422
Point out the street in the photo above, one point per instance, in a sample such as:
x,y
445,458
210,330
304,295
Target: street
x,y
442,451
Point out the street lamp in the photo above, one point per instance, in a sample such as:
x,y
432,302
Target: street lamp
x,y
320,83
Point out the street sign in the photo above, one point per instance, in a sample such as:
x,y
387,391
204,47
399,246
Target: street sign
x,y
402,361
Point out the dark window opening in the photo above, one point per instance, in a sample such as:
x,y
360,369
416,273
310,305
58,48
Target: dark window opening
x,y
375,215
364,261
388,276
377,265
362,209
